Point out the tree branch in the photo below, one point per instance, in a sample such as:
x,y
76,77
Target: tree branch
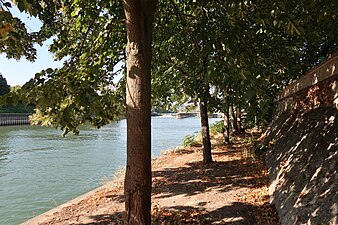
x,y
185,23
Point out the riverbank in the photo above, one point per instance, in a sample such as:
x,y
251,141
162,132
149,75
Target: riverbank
x,y
233,189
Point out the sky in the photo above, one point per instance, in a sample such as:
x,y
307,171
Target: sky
x,y
19,72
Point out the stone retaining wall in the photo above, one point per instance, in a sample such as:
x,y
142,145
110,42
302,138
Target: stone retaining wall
x,y
301,149
317,87
302,158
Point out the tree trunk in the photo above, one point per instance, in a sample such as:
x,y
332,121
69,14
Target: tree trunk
x,y
207,158
233,120
227,125
227,116
137,185
239,120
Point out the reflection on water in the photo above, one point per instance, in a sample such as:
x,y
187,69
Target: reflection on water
x,y
3,154
39,168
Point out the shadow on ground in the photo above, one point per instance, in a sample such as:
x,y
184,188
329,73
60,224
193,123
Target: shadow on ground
x,y
238,214
196,177
105,219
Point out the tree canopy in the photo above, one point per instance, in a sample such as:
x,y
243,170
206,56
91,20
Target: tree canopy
x,y
90,36
250,48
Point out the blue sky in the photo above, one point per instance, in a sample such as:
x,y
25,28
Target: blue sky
x,y
19,72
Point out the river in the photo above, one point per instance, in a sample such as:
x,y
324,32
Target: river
x,y
40,170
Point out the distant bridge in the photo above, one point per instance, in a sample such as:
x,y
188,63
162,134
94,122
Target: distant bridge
x,y
14,119
183,115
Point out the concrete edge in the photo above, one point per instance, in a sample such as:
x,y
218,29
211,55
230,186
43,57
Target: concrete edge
x,y
49,214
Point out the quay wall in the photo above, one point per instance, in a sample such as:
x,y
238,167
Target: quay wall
x,y
14,119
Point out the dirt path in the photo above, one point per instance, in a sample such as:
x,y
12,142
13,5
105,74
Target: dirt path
x,y
232,190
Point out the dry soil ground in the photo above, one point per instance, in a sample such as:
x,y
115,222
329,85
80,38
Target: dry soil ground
x,y
232,190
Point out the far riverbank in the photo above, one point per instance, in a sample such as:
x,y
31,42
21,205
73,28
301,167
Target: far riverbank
x,y
14,119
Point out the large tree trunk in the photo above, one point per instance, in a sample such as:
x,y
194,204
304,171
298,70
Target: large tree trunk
x,y
207,157
137,186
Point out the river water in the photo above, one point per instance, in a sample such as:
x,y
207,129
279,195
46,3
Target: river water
x,y
40,170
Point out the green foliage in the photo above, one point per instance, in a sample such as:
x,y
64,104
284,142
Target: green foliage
x,y
15,88
4,87
189,140
15,40
74,101
18,108
217,127
250,49
90,35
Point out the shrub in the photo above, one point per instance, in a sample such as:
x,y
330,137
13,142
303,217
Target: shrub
x,y
217,127
189,140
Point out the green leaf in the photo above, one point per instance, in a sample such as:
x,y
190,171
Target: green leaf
x,y
49,70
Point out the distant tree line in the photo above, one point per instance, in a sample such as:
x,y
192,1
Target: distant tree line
x,y
14,107
4,87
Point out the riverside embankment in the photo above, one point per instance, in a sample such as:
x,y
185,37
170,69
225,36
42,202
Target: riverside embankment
x,y
302,158
231,190
302,148
52,170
